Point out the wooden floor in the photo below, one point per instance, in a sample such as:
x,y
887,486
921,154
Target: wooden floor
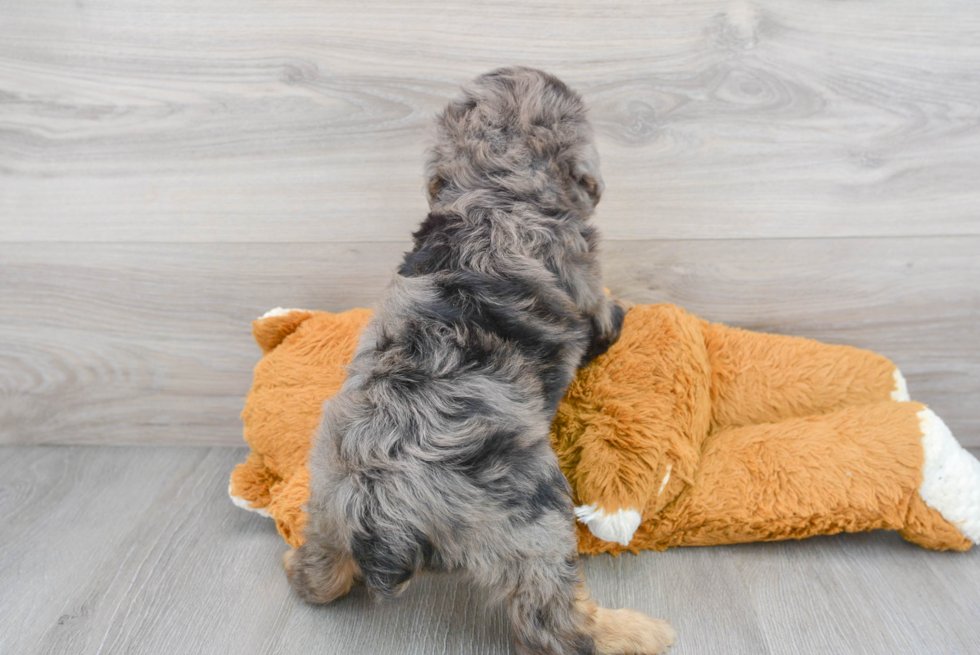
x,y
139,550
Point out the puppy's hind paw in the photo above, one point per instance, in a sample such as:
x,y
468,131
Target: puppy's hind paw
x,y
628,632
319,575
287,559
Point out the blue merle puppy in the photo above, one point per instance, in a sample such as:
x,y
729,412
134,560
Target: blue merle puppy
x,y
435,453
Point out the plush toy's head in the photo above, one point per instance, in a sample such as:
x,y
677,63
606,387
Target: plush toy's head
x,y
304,355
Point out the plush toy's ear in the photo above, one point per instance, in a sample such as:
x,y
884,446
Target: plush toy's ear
x,y
275,325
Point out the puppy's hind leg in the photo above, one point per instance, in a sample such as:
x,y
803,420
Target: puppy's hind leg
x,y
320,573
551,612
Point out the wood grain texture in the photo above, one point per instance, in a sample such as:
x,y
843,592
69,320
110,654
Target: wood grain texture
x,y
860,594
151,344
139,551
300,121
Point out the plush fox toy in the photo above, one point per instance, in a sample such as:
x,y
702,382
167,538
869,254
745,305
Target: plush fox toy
x,y
685,433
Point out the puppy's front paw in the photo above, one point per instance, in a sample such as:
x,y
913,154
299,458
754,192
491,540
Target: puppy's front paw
x,y
628,632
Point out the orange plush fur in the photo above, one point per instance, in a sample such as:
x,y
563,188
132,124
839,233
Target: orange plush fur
x,y
683,433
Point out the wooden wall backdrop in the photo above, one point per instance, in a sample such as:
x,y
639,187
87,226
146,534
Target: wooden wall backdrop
x,y
170,170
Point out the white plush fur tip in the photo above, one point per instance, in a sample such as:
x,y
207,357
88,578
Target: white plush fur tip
x,y
244,504
663,485
950,477
901,390
280,311
617,527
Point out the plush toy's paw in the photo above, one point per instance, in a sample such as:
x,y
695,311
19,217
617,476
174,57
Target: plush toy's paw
x,y
628,632
244,504
950,477
618,526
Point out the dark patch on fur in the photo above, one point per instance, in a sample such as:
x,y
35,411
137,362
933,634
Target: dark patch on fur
x,y
433,251
550,494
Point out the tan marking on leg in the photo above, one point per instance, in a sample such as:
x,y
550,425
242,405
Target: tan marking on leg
x,y
287,559
625,631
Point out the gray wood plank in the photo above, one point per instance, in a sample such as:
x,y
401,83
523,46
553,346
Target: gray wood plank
x,y
868,593
150,343
133,550
249,121
139,550
711,614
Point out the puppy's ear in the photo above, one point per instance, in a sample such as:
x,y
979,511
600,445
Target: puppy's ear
x,y
589,184
586,176
434,186
593,188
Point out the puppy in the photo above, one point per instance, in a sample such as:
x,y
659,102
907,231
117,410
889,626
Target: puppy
x,y
435,453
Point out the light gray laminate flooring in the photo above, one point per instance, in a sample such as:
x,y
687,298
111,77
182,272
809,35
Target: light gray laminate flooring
x,y
139,550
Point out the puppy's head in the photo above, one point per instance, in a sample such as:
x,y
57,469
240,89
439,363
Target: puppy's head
x,y
521,131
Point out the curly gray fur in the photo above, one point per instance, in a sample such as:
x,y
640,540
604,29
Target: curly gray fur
x,y
435,453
